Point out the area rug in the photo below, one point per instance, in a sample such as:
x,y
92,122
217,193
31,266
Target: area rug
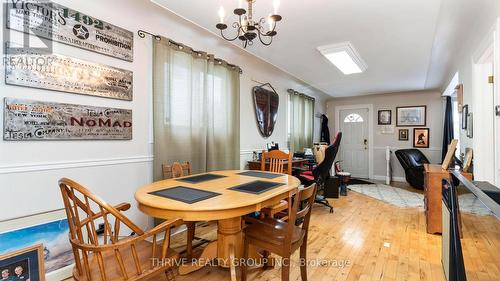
x,y
406,199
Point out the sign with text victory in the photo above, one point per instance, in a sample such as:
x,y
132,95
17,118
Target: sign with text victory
x,y
58,23
63,73
36,120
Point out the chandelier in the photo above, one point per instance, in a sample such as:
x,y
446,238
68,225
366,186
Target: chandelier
x,y
247,29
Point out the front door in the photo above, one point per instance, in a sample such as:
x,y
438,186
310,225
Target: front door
x,y
354,145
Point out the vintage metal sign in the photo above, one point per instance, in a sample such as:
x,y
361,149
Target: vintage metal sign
x,y
36,120
58,23
62,73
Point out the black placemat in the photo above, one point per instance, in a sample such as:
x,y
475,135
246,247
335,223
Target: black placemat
x,y
185,194
256,187
258,174
201,178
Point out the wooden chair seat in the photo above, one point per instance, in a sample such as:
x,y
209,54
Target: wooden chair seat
x,y
113,272
272,231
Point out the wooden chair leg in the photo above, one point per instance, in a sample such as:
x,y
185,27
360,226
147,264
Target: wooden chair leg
x,y
191,228
285,269
169,273
303,261
245,260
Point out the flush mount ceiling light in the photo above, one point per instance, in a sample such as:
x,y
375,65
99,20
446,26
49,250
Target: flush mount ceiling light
x,y
344,57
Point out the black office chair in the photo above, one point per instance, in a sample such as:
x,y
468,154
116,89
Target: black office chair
x,y
413,161
321,172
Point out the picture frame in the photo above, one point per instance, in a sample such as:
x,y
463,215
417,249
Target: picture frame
x,y
459,89
465,112
403,134
27,263
421,137
411,116
470,122
385,117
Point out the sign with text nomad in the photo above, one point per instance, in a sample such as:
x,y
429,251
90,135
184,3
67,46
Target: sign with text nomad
x,y
63,73
58,23
36,120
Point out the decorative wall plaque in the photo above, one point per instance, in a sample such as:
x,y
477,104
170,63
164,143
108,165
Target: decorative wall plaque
x,y
36,120
266,104
58,23
62,73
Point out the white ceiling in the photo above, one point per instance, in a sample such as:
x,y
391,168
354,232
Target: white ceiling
x,y
396,39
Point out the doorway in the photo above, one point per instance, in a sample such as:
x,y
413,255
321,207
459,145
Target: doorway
x,y
355,152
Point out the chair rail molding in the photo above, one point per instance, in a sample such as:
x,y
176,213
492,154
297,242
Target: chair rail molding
x,y
58,165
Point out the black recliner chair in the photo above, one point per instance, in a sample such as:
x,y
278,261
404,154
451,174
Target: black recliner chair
x,y
413,161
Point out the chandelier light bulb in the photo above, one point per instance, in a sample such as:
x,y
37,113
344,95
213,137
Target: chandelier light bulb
x,y
276,4
222,13
240,4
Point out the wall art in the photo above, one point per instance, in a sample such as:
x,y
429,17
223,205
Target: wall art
x,y
67,74
384,117
56,22
411,116
36,120
23,264
421,137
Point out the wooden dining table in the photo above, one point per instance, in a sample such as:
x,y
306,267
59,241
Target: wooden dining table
x,y
227,209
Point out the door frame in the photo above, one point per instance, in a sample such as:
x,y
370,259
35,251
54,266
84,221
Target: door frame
x,y
489,43
338,108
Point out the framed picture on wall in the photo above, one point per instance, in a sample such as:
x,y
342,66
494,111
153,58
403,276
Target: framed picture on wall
x,y
411,116
465,112
24,264
384,117
459,89
470,127
403,134
421,137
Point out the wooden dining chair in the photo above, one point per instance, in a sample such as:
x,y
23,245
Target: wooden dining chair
x,y
283,238
108,256
176,170
275,161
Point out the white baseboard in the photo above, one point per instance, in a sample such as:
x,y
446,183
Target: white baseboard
x,y
382,178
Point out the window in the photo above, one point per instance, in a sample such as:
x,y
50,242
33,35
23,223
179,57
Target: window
x,y
353,118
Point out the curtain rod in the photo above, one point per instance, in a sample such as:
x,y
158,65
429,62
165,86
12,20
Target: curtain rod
x,y
142,34
292,91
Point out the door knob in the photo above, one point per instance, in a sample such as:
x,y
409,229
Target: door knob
x,y
365,142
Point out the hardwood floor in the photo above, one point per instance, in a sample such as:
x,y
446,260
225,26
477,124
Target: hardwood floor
x,y
378,241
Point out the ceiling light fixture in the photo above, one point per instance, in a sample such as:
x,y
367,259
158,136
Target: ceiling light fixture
x,y
247,28
345,57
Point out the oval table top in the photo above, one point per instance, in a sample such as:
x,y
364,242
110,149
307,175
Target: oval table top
x,y
229,204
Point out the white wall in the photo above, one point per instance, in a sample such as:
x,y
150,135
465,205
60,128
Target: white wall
x,y
435,115
115,169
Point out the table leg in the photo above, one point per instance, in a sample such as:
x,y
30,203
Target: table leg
x,y
229,234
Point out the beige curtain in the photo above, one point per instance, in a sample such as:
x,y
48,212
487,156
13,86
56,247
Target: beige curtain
x,y
196,109
302,121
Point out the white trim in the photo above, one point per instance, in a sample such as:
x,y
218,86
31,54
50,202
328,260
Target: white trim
x,y
370,129
382,178
397,148
45,166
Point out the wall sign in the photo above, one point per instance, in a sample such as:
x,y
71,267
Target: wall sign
x,y
59,23
62,73
36,120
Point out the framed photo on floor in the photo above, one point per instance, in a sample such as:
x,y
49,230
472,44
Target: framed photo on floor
x,y
411,116
24,264
384,117
421,137
403,134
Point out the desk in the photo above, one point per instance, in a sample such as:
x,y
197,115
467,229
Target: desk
x,y
227,209
434,174
255,165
